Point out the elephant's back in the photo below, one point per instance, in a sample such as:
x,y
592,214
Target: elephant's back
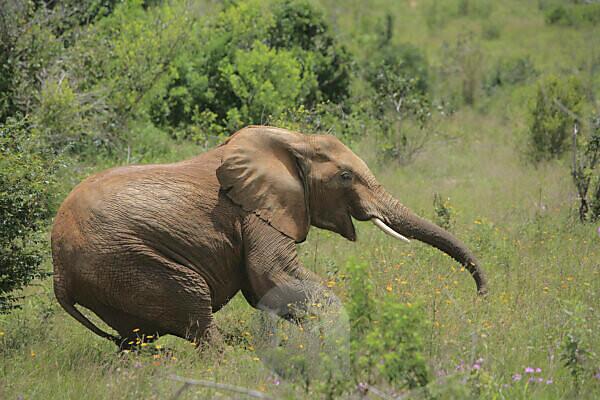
x,y
155,216
140,196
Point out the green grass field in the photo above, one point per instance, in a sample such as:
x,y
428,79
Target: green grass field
x,y
542,264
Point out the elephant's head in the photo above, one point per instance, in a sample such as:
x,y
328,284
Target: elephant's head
x,y
293,181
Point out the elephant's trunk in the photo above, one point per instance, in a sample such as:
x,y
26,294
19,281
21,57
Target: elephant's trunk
x,y
406,223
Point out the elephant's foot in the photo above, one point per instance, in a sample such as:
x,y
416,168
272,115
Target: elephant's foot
x,y
210,338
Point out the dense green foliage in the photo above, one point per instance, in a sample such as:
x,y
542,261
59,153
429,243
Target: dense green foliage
x,y
573,14
398,75
24,207
447,101
584,171
385,336
253,62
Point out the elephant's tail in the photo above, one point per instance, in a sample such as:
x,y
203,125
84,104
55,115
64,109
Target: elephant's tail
x,y
69,305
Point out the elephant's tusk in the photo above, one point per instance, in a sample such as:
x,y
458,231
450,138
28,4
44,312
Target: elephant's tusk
x,y
381,225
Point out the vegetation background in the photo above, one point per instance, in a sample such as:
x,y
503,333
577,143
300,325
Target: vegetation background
x,y
480,115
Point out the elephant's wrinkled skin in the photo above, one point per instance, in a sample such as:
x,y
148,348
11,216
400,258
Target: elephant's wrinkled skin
x,y
162,247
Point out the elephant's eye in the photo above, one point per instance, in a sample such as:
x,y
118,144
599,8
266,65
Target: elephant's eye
x,y
346,175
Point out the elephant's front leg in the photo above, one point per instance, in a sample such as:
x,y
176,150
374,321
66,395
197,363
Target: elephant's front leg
x,y
276,280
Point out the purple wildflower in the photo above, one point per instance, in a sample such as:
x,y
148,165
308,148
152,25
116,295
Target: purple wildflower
x,y
516,377
597,376
540,380
549,381
461,366
538,370
531,380
476,366
529,370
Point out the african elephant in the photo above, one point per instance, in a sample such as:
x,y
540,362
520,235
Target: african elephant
x,y
160,248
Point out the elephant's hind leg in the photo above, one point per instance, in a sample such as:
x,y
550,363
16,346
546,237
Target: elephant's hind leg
x,y
160,297
181,305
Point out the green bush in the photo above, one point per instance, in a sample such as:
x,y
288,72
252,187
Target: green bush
x,y
398,74
302,27
330,118
386,337
25,197
585,172
510,71
490,30
478,8
393,67
28,47
253,62
550,125
444,212
573,14
33,35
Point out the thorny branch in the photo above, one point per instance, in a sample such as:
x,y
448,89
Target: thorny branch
x,y
581,179
187,382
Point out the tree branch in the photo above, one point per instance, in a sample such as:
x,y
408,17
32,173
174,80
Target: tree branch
x,y
219,386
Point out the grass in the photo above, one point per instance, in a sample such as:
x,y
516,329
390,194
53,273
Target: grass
x,y
543,266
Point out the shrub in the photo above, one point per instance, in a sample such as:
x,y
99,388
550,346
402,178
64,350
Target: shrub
x,y
586,172
28,47
490,30
573,14
253,62
399,76
558,15
325,117
393,65
264,81
33,35
444,212
386,336
464,66
550,125
302,27
480,8
25,194
510,71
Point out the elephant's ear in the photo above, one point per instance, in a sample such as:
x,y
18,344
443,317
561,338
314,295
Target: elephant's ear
x,y
263,172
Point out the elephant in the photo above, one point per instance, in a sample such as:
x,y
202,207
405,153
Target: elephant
x,y
158,249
